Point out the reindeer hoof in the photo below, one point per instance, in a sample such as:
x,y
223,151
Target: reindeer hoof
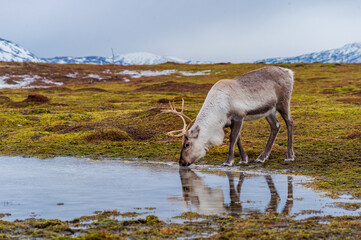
x,y
289,159
259,161
244,161
225,164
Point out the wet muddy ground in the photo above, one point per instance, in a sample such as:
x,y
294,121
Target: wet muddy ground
x,y
67,188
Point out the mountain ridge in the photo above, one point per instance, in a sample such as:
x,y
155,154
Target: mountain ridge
x,y
136,58
349,53
12,52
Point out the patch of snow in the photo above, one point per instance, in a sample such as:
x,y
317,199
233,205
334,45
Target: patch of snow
x,y
24,81
95,76
47,81
219,72
3,84
72,75
126,79
204,72
148,73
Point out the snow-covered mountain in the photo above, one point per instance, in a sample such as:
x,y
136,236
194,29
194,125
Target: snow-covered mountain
x,y
137,58
11,52
143,58
85,60
350,53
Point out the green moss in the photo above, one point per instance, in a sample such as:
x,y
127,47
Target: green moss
x,y
348,206
38,111
102,225
129,214
189,216
151,219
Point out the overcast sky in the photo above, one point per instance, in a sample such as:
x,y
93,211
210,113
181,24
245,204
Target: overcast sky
x,y
214,30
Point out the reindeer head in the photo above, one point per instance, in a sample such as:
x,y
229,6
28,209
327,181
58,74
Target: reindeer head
x,y
192,148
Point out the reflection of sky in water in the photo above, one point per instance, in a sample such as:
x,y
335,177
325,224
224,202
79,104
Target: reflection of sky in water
x,y
31,185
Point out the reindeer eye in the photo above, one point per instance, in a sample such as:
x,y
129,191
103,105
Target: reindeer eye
x,y
186,145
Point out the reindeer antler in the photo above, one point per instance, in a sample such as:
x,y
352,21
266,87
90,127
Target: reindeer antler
x,y
182,116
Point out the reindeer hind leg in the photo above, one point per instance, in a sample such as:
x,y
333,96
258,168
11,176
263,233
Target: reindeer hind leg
x,y
285,112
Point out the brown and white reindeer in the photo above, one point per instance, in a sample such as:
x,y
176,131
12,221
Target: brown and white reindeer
x,y
230,102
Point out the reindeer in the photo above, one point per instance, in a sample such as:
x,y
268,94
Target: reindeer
x,y
230,102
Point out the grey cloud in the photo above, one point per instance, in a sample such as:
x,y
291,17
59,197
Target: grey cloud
x,y
228,30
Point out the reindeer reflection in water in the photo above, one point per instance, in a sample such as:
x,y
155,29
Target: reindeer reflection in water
x,y
206,200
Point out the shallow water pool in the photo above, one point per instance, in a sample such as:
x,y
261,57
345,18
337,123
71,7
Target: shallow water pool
x,y
67,188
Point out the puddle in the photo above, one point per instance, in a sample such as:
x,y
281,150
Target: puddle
x,y
67,188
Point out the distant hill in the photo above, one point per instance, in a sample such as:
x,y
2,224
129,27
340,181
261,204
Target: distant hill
x,y
11,52
350,53
137,58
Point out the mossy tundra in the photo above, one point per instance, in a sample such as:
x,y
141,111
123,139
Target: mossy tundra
x,y
110,225
111,117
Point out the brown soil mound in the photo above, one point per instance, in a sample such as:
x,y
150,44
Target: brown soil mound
x,y
163,100
171,86
36,98
138,134
104,131
31,99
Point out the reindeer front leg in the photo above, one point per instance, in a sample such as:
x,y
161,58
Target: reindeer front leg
x,y
236,126
244,156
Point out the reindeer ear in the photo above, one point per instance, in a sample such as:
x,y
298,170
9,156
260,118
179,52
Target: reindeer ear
x,y
194,132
